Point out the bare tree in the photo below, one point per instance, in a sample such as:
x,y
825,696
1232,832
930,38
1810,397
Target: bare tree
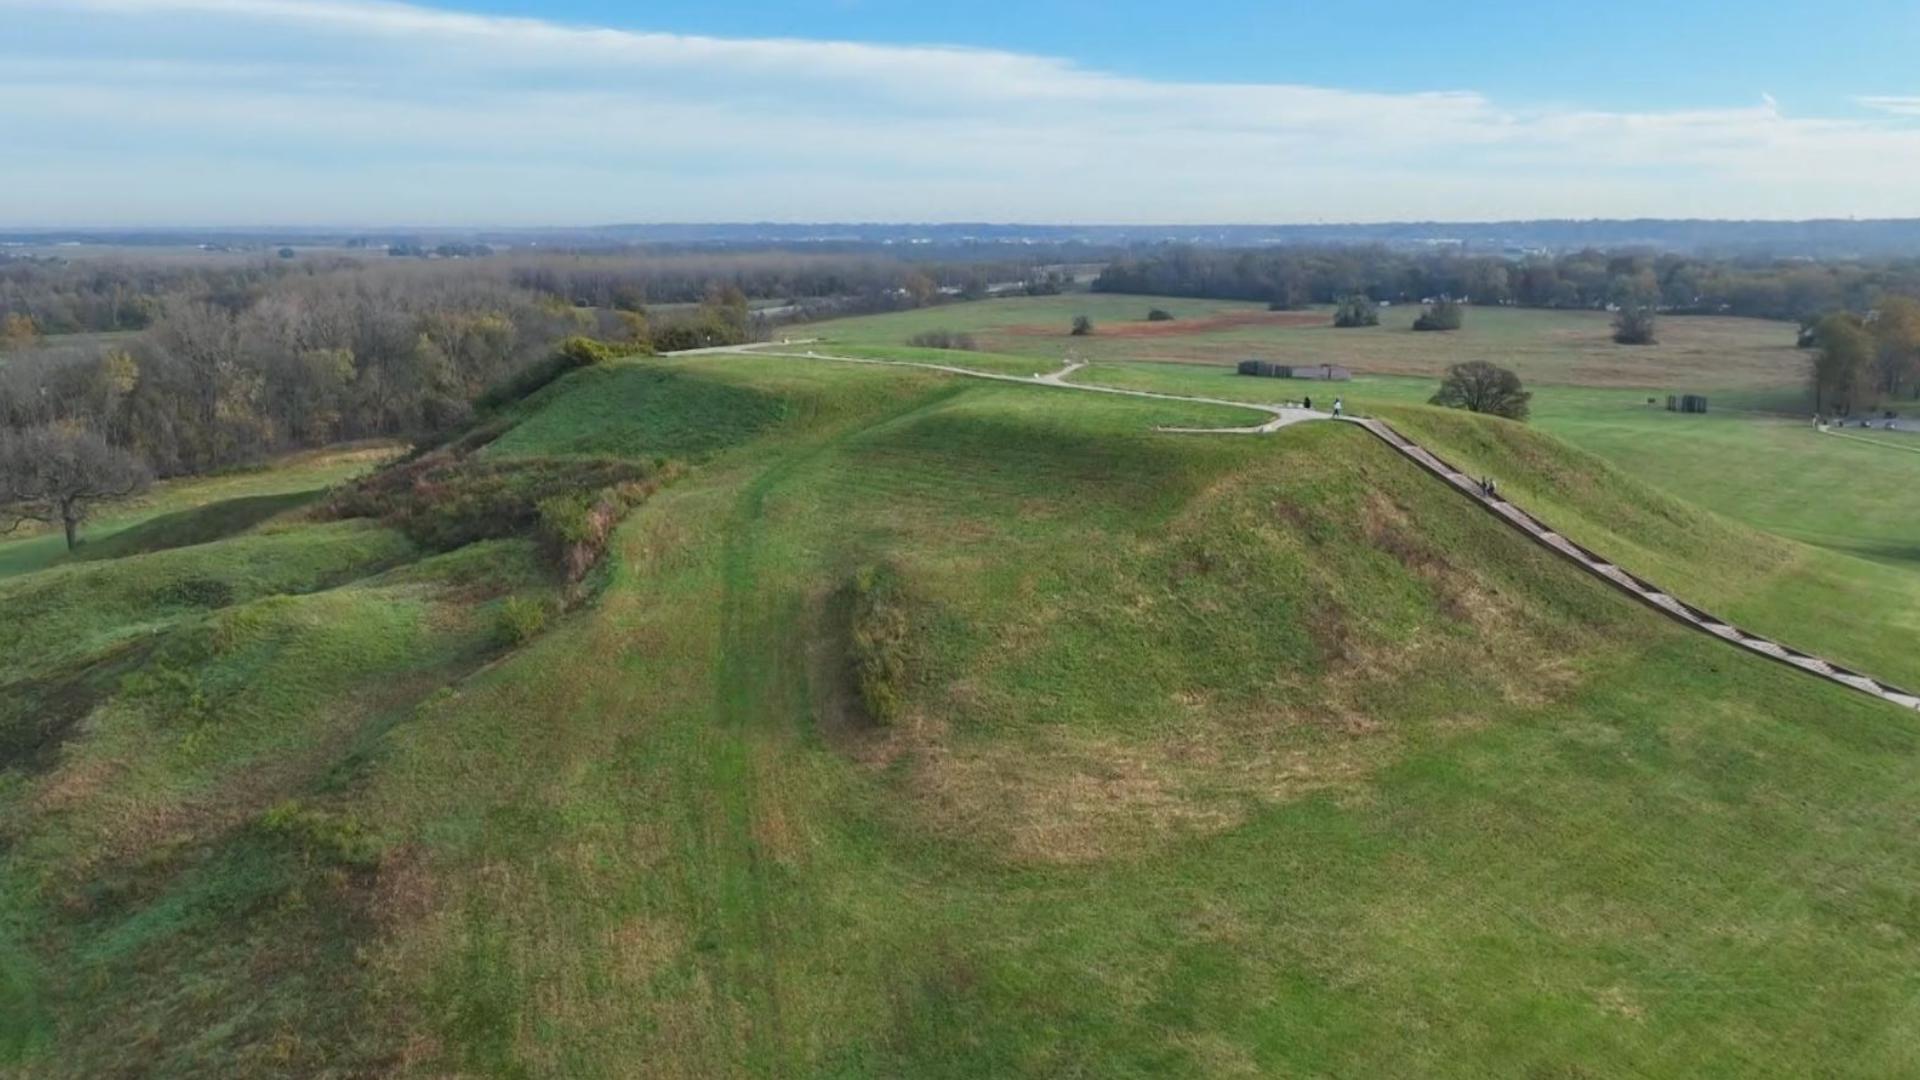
x,y
54,474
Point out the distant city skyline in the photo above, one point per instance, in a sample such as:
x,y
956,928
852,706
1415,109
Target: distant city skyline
x,y
342,112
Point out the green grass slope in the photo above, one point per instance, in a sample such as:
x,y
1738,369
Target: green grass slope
x,y
1862,612
198,525
942,728
196,509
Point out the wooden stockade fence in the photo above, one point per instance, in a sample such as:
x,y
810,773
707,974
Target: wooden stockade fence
x,y
1640,590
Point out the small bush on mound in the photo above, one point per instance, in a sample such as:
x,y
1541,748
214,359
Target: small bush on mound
x,y
1159,315
943,339
1082,326
1356,311
196,592
878,645
519,621
332,838
577,352
1441,315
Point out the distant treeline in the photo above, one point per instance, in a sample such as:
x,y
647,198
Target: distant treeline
x,y
1787,289
96,295
222,360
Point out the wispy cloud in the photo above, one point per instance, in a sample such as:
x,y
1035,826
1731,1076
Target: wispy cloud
x,y
1899,106
332,110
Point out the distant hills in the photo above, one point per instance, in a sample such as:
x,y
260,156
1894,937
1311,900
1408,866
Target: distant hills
x,y
1822,238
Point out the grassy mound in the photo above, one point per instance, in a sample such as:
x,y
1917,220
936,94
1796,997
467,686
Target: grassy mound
x,y
200,525
1201,755
1859,612
639,410
81,609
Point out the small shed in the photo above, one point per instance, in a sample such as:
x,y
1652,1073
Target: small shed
x,y
1316,372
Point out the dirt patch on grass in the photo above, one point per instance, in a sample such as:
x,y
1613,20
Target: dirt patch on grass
x,y
1232,320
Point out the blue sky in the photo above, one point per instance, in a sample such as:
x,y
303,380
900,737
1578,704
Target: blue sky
x,y
1628,53
505,112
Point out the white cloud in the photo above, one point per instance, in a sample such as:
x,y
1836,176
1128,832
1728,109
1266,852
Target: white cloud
x,y
334,110
1899,106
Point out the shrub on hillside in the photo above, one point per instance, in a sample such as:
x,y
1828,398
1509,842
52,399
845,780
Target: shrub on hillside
x,y
943,339
1082,326
575,527
577,352
444,501
878,638
1159,315
1441,315
327,836
1356,311
519,620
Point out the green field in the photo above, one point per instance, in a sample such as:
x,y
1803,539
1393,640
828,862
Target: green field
x,y
1756,359
1149,754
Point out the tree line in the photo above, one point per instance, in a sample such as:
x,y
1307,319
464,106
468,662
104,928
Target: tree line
x,y
1294,277
201,363
1864,361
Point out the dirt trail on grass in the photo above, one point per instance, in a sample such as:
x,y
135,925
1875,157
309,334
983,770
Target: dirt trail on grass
x,y
1640,590
1284,415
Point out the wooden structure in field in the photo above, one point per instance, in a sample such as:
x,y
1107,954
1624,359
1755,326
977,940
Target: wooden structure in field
x,y
1316,372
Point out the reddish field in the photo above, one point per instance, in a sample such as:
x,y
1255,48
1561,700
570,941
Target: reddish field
x,y
1231,320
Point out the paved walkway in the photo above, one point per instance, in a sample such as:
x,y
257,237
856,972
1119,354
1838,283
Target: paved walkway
x,y
1283,415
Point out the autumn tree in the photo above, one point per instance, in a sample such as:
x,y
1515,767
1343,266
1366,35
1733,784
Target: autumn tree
x,y
18,331
58,475
1896,336
1478,386
1842,364
920,288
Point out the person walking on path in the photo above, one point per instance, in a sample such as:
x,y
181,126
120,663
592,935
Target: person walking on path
x,y
1337,403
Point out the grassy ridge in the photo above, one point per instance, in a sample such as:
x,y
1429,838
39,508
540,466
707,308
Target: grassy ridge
x,y
1210,755
166,903
1204,763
